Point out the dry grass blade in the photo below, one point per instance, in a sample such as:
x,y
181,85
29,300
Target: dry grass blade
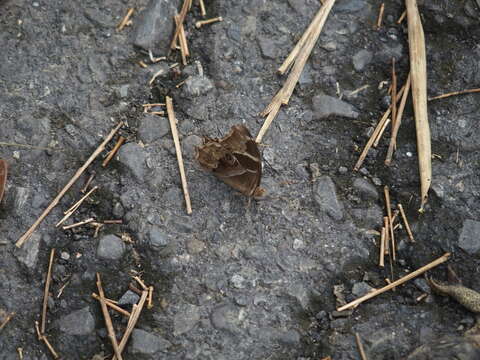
x,y
3,177
381,261
380,16
394,93
72,181
125,20
418,70
183,13
396,283
283,95
388,205
405,222
393,140
6,320
48,279
112,153
454,93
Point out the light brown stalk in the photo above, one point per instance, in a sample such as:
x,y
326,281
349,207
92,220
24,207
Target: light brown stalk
x,y
380,16
386,192
470,91
361,350
405,222
183,13
382,249
112,153
48,279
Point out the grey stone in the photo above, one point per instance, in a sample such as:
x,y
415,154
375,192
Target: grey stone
x,y
300,6
268,47
154,27
129,298
79,322
157,237
225,318
290,337
325,196
238,281
123,91
185,319
145,343
195,246
468,239
133,157
366,190
20,197
361,59
110,247
350,6
369,216
325,106
197,85
190,144
361,288
28,253
152,128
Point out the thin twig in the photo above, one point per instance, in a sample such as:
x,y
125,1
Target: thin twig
x,y
88,182
116,221
361,350
203,12
75,206
374,135
178,149
183,13
388,205
454,93
183,40
112,305
405,221
394,93
380,134
125,20
136,311
150,297
112,153
400,19
393,140
140,281
284,94
75,177
6,320
48,279
43,338
200,23
396,283
382,248
108,320
380,16
80,223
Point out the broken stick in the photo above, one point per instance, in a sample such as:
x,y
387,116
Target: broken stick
x,y
396,283
108,320
72,181
178,149
48,279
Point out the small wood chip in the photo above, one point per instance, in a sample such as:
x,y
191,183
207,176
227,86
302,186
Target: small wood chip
x,y
201,23
126,20
380,16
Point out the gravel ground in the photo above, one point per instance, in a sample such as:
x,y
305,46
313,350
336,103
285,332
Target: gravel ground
x,y
232,281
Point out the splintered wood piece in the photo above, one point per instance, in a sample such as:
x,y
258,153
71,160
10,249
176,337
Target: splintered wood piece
x,y
75,206
375,134
88,182
387,234
48,279
382,249
72,181
418,70
183,13
125,20
3,177
136,311
203,12
380,16
112,153
108,320
110,304
382,130
300,59
361,350
396,283
393,140
6,320
405,222
470,91
178,149
388,205
150,297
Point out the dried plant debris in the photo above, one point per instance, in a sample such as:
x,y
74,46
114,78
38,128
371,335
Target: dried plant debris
x,y
234,159
3,177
